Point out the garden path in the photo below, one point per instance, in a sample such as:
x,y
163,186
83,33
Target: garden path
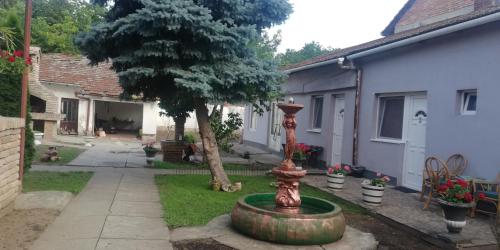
x,y
111,153
118,209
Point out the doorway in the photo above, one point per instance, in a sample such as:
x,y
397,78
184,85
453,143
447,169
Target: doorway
x,y
338,129
69,107
274,141
414,159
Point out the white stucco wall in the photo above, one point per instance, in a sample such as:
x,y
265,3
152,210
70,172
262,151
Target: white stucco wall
x,y
68,91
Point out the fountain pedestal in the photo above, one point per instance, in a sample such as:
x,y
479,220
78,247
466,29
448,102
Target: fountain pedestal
x,y
287,176
290,218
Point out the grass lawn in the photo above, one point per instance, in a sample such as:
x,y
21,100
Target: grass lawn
x,y
72,182
170,165
67,154
188,200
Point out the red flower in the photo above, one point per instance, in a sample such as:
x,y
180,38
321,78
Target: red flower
x,y
443,188
18,53
459,196
12,59
468,197
28,61
481,196
462,183
450,184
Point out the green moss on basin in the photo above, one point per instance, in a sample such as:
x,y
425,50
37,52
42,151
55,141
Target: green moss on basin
x,y
319,222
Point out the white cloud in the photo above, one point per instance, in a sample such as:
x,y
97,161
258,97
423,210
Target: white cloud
x,y
336,23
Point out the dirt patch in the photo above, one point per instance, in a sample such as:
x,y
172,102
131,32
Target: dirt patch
x,y
205,244
20,228
388,236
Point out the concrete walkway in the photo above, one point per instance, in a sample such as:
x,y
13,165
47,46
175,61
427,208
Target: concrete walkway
x,y
115,154
118,209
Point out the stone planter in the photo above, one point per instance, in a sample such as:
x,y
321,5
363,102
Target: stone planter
x,y
335,181
454,214
372,195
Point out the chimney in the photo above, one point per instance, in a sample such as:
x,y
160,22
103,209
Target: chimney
x,y
35,54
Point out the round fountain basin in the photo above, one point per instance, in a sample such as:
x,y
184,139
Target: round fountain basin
x,y
318,222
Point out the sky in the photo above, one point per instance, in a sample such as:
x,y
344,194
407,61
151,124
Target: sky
x,y
336,23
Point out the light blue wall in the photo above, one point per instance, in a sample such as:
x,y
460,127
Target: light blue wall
x,y
328,81
440,67
259,134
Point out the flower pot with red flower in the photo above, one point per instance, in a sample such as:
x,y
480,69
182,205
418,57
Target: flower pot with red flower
x,y
301,154
455,199
336,176
373,190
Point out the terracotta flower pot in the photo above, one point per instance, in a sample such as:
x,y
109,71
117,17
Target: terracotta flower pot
x,y
335,181
454,214
372,195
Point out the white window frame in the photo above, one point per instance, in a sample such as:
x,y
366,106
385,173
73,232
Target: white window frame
x,y
313,113
377,137
464,102
253,119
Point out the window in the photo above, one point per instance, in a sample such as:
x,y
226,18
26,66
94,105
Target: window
x,y
317,111
253,118
469,102
390,117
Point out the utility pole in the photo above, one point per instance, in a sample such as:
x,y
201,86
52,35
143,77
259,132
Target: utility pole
x,y
24,83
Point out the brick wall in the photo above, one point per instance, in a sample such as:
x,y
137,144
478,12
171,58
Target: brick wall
x,y
10,186
424,12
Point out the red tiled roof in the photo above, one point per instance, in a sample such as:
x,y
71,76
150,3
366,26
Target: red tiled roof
x,y
71,69
394,38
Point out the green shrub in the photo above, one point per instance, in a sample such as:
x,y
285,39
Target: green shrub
x,y
190,137
225,130
10,106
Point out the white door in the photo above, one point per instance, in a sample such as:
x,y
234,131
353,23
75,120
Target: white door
x,y
275,128
338,130
415,143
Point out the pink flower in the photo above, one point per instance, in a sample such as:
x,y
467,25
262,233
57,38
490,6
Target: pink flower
x,y
337,166
379,174
347,168
386,178
330,170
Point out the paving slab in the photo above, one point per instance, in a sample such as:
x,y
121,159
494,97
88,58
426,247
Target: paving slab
x,y
88,207
56,244
67,227
126,244
137,196
137,208
56,200
127,227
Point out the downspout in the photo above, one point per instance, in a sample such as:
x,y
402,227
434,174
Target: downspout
x,y
357,102
88,112
357,106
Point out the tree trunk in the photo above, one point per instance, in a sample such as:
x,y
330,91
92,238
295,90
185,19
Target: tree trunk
x,y
179,128
210,147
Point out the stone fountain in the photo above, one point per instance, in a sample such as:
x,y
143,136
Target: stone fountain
x,y
287,217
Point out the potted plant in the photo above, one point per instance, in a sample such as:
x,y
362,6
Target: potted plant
x,y
455,199
336,176
150,153
373,190
301,154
